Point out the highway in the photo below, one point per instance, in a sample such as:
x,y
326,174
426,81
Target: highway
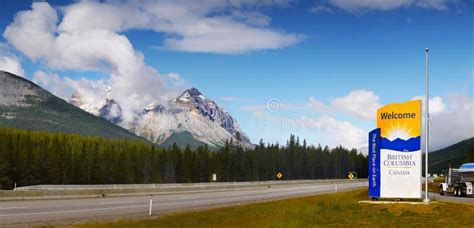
x,y
67,211
450,198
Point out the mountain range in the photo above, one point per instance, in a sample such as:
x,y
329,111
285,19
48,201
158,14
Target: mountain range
x,y
189,119
411,144
25,105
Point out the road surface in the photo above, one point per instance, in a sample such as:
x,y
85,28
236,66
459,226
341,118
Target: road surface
x,y
450,198
57,211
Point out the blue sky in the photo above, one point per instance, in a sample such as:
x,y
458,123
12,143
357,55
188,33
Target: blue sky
x,y
315,53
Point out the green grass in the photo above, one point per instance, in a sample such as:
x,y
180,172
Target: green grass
x,y
323,210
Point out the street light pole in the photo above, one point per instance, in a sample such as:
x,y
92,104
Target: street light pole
x,y
427,128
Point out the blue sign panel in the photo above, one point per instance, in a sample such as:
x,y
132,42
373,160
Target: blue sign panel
x,y
374,163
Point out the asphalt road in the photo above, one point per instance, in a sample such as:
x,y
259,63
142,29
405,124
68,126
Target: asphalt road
x,y
57,211
450,198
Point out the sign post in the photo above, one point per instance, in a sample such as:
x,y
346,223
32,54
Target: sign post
x,y
395,153
427,128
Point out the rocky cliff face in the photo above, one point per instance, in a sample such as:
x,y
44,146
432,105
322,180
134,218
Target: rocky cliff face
x,y
191,112
17,91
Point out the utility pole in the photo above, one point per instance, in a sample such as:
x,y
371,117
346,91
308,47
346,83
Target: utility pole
x,y
427,127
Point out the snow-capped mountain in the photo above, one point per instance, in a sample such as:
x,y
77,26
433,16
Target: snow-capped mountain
x,y
193,100
191,112
108,109
76,100
25,105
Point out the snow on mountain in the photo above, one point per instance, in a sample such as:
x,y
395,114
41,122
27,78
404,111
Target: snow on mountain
x,y
108,109
194,101
111,111
190,112
25,105
76,100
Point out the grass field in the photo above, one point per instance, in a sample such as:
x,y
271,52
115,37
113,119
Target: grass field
x,y
321,210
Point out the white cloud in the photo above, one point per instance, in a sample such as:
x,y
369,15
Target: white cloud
x,y
432,4
88,38
453,124
362,104
359,103
53,83
321,9
337,132
253,18
63,87
436,104
450,122
12,65
452,118
351,5
317,106
134,84
10,62
340,132
176,79
194,26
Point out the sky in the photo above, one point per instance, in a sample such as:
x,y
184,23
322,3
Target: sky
x,y
315,69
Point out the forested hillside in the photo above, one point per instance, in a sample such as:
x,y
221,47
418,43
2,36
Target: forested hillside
x,y
457,154
30,158
27,106
470,155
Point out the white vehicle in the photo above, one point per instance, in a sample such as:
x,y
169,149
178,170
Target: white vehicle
x,y
458,181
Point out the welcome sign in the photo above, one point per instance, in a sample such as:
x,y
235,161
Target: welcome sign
x,y
395,153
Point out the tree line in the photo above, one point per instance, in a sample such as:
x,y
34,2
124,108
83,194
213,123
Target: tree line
x,y
31,158
470,155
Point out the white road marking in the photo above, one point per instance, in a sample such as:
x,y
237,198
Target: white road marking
x,y
165,204
5,208
73,211
190,197
120,202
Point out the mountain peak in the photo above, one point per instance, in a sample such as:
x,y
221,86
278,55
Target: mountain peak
x,y
191,112
193,92
190,95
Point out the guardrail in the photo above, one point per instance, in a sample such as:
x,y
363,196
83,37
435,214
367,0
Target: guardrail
x,y
83,191
179,185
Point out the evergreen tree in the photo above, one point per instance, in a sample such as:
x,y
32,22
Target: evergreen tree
x,y
30,158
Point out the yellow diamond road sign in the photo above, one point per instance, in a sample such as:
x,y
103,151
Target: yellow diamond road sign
x,y
279,175
352,175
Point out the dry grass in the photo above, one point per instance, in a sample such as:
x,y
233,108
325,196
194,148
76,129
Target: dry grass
x,y
323,210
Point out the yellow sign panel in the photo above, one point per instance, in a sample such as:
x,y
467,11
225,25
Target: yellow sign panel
x,y
400,120
398,162
279,175
352,175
